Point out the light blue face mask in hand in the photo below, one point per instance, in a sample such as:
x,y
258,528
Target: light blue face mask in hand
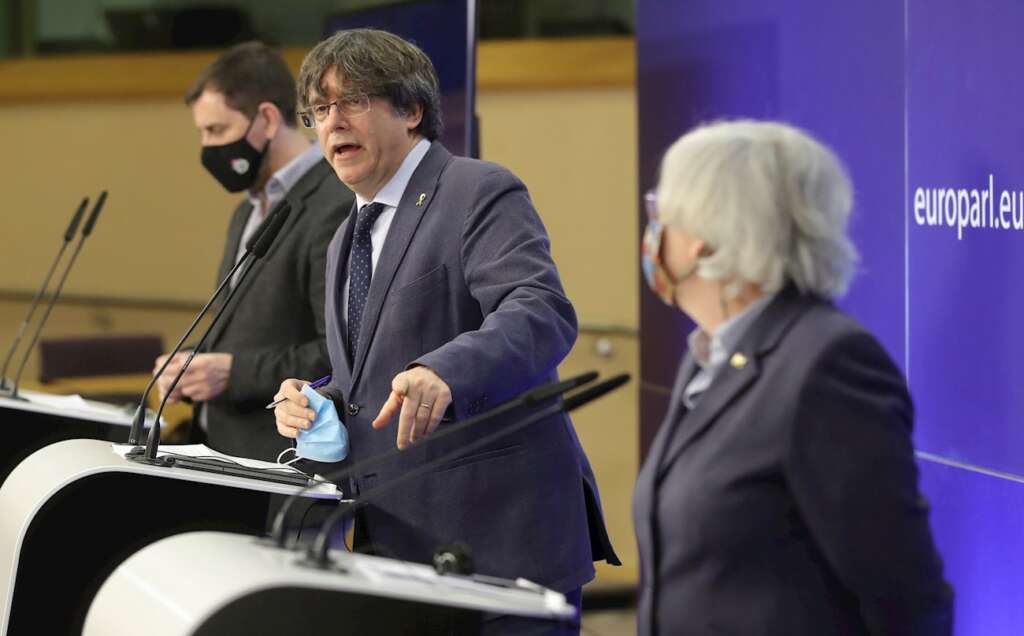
x,y
327,439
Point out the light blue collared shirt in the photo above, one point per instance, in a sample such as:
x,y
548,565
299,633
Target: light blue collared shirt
x,y
712,352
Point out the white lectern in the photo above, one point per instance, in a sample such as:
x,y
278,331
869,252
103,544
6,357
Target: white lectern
x,y
206,583
70,512
41,419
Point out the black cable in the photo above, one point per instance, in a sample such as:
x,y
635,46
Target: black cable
x,y
530,398
318,552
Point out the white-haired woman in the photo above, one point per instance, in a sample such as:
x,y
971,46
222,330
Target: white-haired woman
x,y
780,495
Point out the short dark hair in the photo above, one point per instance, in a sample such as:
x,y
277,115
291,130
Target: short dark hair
x,y
247,75
380,64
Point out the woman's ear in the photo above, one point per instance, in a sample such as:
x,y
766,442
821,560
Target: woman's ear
x,y
699,249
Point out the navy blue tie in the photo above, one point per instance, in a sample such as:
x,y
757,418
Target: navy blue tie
x,y
360,271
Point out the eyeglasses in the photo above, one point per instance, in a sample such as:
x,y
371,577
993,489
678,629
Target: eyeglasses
x,y
348,106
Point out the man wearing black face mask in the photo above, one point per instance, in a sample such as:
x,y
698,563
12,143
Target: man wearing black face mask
x,y
244,107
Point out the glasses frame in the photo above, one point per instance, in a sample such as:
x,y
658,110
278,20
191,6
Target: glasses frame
x,y
347,105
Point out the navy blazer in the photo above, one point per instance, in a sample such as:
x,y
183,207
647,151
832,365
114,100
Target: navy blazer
x,y
466,286
786,501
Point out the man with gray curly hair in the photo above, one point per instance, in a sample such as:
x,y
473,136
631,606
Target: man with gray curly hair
x,y
780,494
443,302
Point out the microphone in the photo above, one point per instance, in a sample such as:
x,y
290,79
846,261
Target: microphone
x,y
255,248
68,235
86,231
528,398
318,552
135,432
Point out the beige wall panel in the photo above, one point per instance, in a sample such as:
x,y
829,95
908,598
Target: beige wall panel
x,y
576,152
608,430
162,230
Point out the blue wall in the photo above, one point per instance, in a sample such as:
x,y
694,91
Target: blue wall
x,y
921,94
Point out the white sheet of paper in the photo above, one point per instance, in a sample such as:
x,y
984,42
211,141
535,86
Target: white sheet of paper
x,y
202,450
75,406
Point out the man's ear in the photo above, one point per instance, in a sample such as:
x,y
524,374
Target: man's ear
x,y
413,117
272,116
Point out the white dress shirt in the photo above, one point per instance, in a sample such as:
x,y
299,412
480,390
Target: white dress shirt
x,y
390,196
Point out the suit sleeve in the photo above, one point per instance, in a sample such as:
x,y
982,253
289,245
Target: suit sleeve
x,y
851,469
528,324
256,374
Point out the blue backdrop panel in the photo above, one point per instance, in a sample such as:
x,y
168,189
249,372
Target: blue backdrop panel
x,y
978,522
446,31
966,133
920,94
835,70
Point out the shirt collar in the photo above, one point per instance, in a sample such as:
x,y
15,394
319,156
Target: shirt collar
x,y
289,174
710,352
391,194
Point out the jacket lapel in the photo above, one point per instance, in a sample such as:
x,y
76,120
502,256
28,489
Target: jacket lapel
x,y
646,482
337,273
234,239
296,197
738,374
238,221
676,410
415,204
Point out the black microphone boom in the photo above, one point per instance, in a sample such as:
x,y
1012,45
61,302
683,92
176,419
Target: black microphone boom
x,y
135,433
69,234
318,551
265,237
86,230
256,248
529,398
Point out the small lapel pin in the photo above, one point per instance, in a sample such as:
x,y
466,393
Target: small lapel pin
x,y
423,197
738,360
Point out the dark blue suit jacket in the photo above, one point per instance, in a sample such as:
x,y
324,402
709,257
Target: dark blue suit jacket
x,y
465,285
786,501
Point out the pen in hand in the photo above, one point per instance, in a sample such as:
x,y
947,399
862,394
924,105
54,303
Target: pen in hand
x,y
315,384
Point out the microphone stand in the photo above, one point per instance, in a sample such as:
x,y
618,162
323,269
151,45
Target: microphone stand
x,y
255,249
317,555
153,441
140,413
69,234
86,230
529,398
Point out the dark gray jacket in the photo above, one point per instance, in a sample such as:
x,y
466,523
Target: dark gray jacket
x,y
274,327
786,501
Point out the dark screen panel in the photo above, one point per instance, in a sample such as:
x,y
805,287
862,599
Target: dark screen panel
x,y
446,30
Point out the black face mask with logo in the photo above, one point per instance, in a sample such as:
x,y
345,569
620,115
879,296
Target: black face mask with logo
x,y
236,164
